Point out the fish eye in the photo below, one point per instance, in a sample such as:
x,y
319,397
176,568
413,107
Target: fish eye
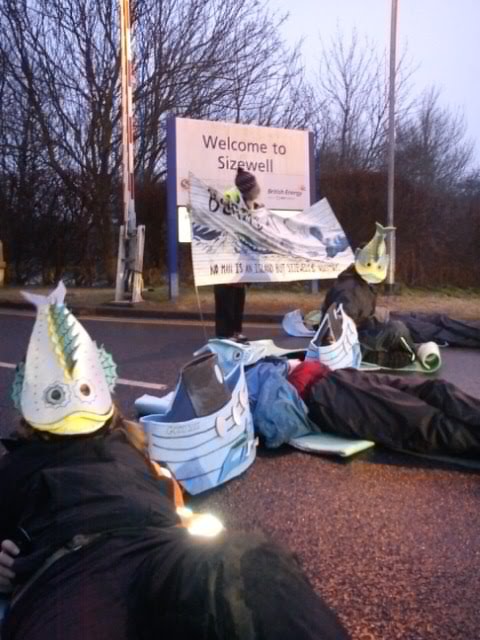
x,y
55,394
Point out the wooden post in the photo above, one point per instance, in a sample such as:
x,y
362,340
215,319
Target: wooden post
x,y
3,266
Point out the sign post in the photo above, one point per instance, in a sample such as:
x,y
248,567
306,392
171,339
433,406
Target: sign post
x,y
172,211
314,190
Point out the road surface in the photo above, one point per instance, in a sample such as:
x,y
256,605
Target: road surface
x,y
391,541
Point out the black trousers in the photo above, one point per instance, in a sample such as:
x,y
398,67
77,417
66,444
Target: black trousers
x,y
229,306
175,586
239,587
409,413
383,336
436,327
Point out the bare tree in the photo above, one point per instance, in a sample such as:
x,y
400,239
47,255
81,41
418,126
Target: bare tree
x,y
30,217
213,59
218,59
62,57
351,92
432,147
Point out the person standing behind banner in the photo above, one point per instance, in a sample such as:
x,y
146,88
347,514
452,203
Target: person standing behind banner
x,y
230,298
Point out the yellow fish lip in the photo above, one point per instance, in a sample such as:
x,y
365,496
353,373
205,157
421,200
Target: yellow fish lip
x,y
371,277
78,423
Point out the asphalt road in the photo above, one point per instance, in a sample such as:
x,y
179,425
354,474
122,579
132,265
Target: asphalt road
x,y
391,541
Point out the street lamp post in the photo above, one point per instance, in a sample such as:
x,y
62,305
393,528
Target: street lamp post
x,y
391,240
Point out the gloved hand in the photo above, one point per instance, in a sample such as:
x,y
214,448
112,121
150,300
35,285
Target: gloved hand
x,y
7,556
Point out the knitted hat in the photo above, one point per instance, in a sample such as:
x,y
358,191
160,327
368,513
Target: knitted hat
x,y
64,385
245,182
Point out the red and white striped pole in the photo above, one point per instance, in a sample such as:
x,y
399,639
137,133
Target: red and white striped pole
x,y
128,152
132,238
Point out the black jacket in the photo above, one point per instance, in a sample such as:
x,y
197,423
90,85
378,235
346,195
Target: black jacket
x,y
358,298
409,413
56,489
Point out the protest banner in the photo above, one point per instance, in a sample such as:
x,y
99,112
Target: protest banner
x,y
231,243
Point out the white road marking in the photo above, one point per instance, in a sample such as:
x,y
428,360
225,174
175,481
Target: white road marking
x,y
138,383
159,321
129,383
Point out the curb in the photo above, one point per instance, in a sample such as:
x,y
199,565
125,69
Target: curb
x,y
128,310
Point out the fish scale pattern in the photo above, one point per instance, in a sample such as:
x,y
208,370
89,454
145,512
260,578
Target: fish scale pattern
x,y
63,336
18,384
109,367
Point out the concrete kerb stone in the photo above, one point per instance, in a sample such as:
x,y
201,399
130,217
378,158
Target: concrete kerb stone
x,y
129,310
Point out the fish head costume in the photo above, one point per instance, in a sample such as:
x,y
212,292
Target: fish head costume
x,y
371,261
203,432
64,385
231,353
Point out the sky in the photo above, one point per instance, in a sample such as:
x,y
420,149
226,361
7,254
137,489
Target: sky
x,y
441,38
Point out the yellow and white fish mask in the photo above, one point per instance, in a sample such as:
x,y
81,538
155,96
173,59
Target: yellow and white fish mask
x,y
64,385
371,262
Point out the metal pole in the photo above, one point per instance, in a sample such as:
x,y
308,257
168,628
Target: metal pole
x,y
314,189
391,241
172,210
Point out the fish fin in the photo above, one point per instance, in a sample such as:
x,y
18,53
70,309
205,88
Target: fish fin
x,y
383,230
57,296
